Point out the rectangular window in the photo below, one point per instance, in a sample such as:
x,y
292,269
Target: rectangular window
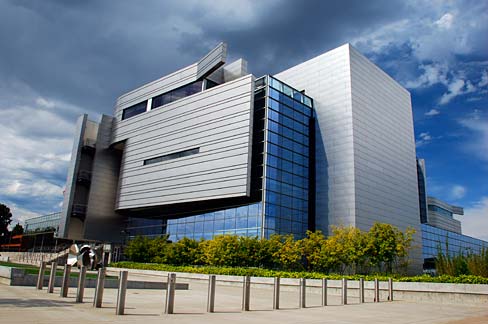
x,y
134,110
172,156
176,94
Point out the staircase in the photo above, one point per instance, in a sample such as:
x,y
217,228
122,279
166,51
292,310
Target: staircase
x,y
35,258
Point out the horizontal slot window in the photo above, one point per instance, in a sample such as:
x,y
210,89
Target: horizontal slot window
x,y
172,156
176,94
134,110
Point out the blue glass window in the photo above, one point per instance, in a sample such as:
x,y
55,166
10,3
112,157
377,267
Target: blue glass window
x,y
134,110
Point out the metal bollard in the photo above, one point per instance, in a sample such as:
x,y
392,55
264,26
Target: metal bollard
x,y
211,293
324,292
390,289
344,291
303,293
81,285
52,278
65,283
40,278
97,301
246,293
376,290
276,293
119,310
361,290
170,294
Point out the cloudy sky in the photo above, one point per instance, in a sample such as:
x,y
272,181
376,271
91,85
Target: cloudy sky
x,y
59,59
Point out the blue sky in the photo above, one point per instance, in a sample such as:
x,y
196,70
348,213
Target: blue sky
x,y
61,58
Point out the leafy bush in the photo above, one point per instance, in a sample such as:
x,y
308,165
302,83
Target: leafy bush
x,y
137,249
469,264
347,251
259,272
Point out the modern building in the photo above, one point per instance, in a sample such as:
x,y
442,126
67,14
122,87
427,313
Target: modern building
x,y
207,150
212,149
441,232
48,222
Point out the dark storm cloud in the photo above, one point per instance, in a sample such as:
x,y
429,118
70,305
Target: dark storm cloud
x,y
61,58
89,52
287,34
84,53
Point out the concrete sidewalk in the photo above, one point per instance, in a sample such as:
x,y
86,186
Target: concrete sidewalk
x,y
27,305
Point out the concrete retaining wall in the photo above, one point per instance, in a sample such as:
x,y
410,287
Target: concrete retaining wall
x,y
18,277
443,293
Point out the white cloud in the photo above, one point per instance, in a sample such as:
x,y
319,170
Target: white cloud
x,y
423,139
457,192
19,214
445,22
456,88
437,34
41,188
433,73
484,79
35,148
45,103
432,112
477,123
475,219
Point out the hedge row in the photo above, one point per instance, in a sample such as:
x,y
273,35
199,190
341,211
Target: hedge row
x,y
259,272
382,249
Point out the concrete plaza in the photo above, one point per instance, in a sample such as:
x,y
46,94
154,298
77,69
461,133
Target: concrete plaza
x,y
28,305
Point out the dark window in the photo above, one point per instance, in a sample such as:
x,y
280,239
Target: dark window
x,y
134,110
173,95
210,84
172,156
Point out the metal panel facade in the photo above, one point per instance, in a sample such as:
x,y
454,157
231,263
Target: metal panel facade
x,y
218,121
207,64
326,78
365,149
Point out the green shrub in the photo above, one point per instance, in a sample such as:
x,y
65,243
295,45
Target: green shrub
x,y
475,264
137,249
259,272
184,252
347,251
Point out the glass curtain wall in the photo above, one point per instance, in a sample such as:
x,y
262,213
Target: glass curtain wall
x,y
281,120
289,116
434,238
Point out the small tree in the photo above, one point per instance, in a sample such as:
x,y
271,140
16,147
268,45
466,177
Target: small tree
x,y
222,251
388,246
184,252
17,230
137,249
5,220
252,252
158,249
289,254
311,248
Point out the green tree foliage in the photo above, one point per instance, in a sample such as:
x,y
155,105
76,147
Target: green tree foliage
x,y
288,254
312,248
347,251
475,264
387,247
223,250
17,230
184,252
5,220
137,249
